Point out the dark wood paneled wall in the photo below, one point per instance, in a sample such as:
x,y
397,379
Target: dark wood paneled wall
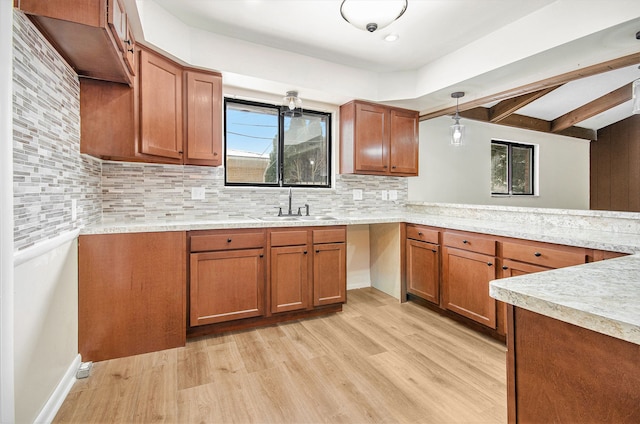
x,y
615,167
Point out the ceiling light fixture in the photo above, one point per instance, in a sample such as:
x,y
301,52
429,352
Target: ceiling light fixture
x,y
457,129
371,15
294,103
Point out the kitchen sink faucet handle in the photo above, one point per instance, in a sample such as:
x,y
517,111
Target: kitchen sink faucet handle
x,y
306,206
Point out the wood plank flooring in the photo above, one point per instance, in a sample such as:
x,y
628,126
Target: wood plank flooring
x,y
378,361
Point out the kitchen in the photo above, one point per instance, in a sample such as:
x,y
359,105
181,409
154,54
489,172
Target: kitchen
x,y
99,182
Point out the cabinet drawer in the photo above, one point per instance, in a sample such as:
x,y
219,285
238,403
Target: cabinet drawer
x,y
226,241
422,234
333,235
288,238
470,242
542,255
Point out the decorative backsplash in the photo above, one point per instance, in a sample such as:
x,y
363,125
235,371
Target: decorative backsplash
x,y
137,192
47,167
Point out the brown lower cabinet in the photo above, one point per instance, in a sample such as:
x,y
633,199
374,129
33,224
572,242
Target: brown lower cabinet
x,y
454,280
131,293
560,373
249,277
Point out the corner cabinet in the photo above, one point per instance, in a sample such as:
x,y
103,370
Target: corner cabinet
x,y
94,37
172,114
378,140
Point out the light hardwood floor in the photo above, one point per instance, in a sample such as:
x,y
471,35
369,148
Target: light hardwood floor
x,y
377,361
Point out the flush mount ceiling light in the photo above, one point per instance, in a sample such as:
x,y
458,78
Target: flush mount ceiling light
x,y
457,129
371,15
293,102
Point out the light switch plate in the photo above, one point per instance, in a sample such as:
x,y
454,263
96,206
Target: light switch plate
x,y
197,193
393,194
357,194
383,194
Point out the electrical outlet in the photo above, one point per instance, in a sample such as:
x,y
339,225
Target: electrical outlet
x,y
383,194
74,209
357,194
197,193
393,194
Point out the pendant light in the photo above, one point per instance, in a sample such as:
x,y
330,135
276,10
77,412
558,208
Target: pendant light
x,y
371,15
457,129
294,103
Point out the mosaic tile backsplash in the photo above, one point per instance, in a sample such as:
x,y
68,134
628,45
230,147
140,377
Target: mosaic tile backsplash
x,y
140,192
48,170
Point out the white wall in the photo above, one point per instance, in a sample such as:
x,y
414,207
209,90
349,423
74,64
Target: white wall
x,y
6,213
451,174
358,273
46,333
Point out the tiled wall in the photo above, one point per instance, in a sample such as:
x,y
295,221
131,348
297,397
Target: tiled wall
x,y
48,169
143,191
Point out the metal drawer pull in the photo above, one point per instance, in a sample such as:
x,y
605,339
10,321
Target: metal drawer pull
x,y
262,256
505,267
305,252
537,254
489,263
228,240
419,234
434,250
317,251
465,242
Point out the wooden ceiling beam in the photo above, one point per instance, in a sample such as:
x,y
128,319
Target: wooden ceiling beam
x,y
507,107
599,105
482,114
599,68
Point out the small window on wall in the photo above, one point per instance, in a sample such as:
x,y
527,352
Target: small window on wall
x,y
267,146
512,168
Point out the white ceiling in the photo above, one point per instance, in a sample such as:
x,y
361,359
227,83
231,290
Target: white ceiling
x,y
429,30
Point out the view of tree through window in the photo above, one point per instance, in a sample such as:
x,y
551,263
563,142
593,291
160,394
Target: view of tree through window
x,y
265,145
511,168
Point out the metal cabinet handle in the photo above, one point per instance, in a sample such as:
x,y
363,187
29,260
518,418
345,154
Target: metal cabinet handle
x,y
434,250
489,264
464,241
419,234
537,254
505,267
393,167
262,256
305,252
318,251
228,240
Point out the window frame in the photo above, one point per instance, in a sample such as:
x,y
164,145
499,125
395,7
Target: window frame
x,y
280,173
532,175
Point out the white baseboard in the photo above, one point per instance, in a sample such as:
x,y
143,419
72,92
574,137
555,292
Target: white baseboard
x,y
50,409
359,285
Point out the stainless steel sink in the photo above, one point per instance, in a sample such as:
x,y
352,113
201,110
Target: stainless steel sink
x,y
317,218
287,218
278,218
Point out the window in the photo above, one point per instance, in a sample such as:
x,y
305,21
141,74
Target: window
x,y
511,168
266,146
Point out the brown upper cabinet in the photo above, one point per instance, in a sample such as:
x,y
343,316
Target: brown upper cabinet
x,y
172,115
94,36
378,140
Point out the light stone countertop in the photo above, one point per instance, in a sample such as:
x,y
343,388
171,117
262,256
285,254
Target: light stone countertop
x,y
600,296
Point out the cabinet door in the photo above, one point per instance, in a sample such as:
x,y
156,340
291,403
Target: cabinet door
x,y
204,119
329,274
117,19
289,278
160,107
226,286
372,138
423,270
514,268
465,287
404,142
